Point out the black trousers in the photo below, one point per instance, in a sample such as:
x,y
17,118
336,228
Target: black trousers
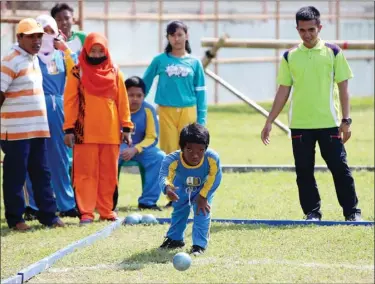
x,y
334,154
22,156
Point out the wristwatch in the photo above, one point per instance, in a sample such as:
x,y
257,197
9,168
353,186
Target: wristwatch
x,y
347,121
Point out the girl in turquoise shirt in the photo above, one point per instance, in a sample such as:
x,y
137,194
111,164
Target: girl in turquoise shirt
x,y
181,89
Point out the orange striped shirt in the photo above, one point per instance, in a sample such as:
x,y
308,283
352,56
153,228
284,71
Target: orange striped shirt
x,y
23,113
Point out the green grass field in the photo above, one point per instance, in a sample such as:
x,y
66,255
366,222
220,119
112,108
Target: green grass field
x,y
237,253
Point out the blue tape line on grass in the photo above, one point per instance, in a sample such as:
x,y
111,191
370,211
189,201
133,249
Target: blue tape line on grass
x,y
279,222
45,263
271,168
17,279
283,168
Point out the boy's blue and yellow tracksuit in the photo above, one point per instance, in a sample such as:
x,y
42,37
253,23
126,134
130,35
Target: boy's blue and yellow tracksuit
x,y
190,181
145,139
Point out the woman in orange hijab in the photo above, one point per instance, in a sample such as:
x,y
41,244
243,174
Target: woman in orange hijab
x,y
97,120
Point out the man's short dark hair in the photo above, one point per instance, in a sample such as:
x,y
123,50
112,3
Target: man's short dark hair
x,y
194,133
308,13
137,82
61,7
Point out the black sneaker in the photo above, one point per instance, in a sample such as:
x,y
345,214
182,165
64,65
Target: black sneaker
x,y
73,213
196,250
30,214
313,216
172,244
149,207
354,217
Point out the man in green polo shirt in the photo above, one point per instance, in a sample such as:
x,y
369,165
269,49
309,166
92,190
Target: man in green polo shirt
x,y
63,14
318,73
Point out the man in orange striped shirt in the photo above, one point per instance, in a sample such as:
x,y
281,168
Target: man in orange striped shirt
x,y
24,129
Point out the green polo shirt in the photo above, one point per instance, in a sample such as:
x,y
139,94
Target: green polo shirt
x,y
314,74
76,41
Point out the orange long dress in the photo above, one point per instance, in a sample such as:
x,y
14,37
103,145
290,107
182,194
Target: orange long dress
x,y
97,123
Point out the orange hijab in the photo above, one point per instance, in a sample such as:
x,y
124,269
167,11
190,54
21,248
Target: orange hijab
x,y
99,80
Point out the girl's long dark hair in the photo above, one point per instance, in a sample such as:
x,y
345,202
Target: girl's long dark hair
x,y
171,29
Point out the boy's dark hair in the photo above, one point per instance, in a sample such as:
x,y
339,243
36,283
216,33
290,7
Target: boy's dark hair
x,y
308,13
171,29
194,133
61,7
137,82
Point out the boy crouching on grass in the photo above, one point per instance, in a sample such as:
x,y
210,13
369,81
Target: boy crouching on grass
x,y
145,138
190,177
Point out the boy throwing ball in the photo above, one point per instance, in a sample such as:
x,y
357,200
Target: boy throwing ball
x,y
190,177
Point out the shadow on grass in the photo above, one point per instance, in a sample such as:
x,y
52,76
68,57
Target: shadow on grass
x,y
34,227
217,227
139,260
6,231
128,209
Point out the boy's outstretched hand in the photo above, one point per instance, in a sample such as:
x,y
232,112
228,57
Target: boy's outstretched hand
x,y
202,204
171,194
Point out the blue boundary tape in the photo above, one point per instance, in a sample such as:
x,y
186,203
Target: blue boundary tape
x,y
271,168
17,279
281,168
43,264
279,222
284,168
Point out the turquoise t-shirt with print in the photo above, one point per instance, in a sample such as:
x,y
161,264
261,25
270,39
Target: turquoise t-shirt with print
x,y
181,83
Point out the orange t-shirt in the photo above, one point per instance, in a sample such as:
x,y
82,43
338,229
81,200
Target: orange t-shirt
x,y
102,117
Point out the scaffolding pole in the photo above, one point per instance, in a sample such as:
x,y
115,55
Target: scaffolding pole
x,y
245,99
